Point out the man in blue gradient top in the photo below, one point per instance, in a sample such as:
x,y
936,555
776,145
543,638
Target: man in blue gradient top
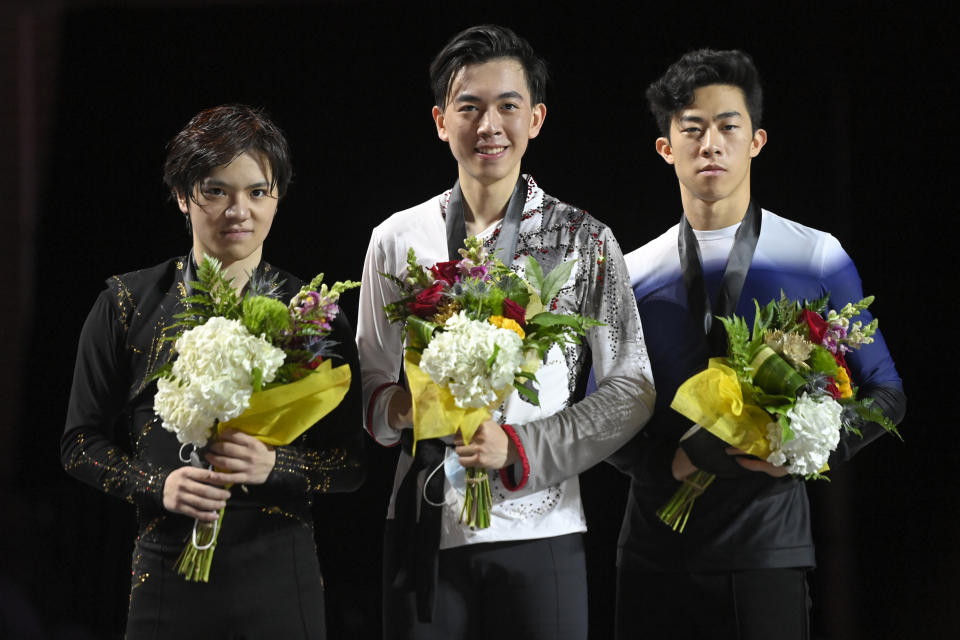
x,y
738,570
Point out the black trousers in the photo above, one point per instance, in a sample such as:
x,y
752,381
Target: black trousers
x,y
739,605
530,589
268,587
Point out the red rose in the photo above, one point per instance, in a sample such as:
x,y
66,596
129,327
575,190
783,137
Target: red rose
x,y
425,304
514,311
833,389
446,271
818,326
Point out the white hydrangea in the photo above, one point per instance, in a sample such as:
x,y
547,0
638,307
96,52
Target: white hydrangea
x,y
212,378
457,358
815,422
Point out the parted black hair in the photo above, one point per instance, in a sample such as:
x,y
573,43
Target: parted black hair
x,y
480,44
215,137
674,90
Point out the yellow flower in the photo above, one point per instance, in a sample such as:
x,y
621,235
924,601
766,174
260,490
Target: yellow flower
x,y
843,383
508,323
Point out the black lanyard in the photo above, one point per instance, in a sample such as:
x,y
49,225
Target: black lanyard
x,y
738,264
506,245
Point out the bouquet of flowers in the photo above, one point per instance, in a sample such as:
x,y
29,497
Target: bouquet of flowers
x,y
783,394
475,332
247,362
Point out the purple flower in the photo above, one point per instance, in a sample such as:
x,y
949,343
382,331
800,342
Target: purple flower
x,y
479,272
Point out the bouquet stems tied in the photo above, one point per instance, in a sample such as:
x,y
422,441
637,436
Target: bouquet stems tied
x,y
197,555
677,511
478,500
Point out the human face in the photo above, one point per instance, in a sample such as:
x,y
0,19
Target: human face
x,y
488,120
233,211
711,145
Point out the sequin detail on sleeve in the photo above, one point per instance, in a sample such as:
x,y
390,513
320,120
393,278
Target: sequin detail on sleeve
x,y
315,470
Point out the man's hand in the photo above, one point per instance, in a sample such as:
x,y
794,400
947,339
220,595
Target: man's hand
x,y
490,448
194,492
752,464
245,459
681,466
400,411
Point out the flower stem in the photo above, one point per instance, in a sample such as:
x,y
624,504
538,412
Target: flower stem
x,y
194,564
478,499
677,510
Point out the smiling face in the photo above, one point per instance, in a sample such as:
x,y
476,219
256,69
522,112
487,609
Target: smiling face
x,y
488,120
711,145
231,211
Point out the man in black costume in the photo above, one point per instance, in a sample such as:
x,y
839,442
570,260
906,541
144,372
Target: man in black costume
x,y
227,170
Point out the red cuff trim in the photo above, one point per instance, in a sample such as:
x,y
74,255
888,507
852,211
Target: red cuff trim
x,y
373,399
504,474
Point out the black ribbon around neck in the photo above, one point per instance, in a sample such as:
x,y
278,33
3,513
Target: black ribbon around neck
x,y
734,275
506,246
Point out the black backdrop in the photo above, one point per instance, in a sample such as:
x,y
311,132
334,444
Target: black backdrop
x,y
862,142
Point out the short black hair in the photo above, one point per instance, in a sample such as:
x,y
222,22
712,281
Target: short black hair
x,y
480,44
674,90
215,137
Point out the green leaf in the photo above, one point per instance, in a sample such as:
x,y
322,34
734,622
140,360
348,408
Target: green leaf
x,y
549,319
493,356
534,275
527,393
421,331
555,281
819,305
762,320
738,346
786,433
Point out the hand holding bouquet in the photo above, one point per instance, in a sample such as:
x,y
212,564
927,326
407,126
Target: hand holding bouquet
x,y
250,363
476,331
783,394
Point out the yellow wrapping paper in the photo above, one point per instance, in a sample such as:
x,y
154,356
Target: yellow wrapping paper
x,y
713,399
435,412
279,415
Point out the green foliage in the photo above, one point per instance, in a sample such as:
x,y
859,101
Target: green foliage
x,y
822,361
416,274
763,319
420,332
548,287
525,390
262,315
818,306
509,282
738,346
867,411
493,356
545,329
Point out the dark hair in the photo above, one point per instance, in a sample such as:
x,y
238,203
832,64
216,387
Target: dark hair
x,y
215,137
674,91
481,44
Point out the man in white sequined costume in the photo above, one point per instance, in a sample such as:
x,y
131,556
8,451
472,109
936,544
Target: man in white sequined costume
x,y
525,574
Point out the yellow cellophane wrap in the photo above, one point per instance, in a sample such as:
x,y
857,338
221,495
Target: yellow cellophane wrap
x,y
279,415
713,399
435,412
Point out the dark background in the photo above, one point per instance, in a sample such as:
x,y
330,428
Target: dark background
x,y
861,116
